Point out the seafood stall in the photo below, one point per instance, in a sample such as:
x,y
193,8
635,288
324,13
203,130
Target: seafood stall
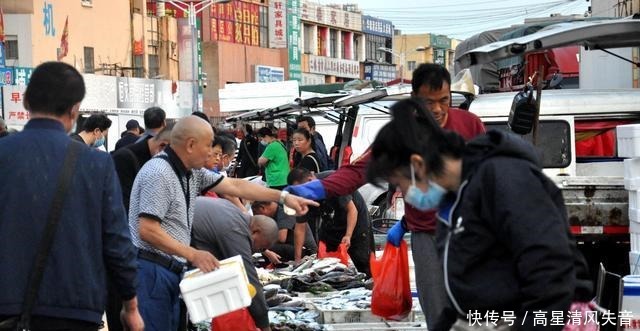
x,y
325,294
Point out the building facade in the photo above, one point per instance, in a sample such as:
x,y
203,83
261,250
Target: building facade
x,y
378,36
332,43
422,48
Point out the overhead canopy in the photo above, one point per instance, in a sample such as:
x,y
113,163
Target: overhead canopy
x,y
594,34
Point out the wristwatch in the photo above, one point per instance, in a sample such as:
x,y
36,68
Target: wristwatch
x,y
283,196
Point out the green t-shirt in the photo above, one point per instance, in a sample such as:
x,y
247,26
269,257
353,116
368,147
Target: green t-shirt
x,y
277,168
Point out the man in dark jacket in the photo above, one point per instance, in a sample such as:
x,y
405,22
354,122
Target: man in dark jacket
x,y
248,154
222,229
130,136
91,239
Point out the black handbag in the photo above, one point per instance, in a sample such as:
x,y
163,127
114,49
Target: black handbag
x,y
23,321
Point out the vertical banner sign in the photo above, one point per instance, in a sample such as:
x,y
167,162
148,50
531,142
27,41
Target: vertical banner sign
x,y
199,55
277,24
185,67
14,112
293,38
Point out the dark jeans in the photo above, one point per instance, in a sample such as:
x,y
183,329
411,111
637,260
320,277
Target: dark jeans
x,y
158,296
43,323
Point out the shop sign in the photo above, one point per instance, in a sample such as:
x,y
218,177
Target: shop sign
x,y
379,72
267,74
12,99
377,26
334,17
335,67
277,24
293,39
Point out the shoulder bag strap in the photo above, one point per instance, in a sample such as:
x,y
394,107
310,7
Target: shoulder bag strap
x,y
64,181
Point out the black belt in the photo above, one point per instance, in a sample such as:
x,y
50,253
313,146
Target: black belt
x,y
165,261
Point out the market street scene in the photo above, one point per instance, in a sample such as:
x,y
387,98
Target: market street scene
x,y
312,165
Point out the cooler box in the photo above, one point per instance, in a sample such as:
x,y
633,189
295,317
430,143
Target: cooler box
x,y
631,299
628,140
217,292
632,174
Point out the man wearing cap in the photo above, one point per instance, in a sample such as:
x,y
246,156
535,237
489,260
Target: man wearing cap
x,y
130,136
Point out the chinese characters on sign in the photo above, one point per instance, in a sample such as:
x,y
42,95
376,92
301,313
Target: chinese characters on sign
x,y
22,75
136,93
237,22
293,39
277,24
314,12
553,318
334,67
47,20
266,74
377,26
14,112
379,72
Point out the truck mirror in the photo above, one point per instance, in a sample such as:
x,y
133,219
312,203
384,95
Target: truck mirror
x,y
523,111
555,80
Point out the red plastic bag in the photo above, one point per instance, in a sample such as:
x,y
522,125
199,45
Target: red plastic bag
x,y
341,253
391,297
237,320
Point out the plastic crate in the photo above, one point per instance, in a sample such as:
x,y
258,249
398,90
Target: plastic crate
x,y
346,316
377,326
217,292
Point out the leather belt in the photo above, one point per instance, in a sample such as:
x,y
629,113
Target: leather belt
x,y
165,261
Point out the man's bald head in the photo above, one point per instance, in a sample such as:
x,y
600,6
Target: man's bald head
x,y
264,231
191,139
189,127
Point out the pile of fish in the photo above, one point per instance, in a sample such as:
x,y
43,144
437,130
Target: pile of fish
x,y
288,320
352,299
316,276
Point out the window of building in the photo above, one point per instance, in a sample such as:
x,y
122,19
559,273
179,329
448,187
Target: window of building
x,y
88,60
264,26
138,65
308,38
11,47
154,66
372,45
333,42
411,65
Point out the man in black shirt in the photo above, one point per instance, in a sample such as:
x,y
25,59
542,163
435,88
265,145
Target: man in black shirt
x,y
343,219
129,159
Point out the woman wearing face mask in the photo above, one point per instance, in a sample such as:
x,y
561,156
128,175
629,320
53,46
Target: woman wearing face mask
x,y
303,143
503,234
274,159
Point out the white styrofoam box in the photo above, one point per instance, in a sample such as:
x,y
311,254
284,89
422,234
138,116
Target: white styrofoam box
x,y
633,200
632,174
634,235
217,292
634,215
628,140
631,296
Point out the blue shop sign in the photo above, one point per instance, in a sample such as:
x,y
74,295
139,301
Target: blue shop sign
x,y
377,26
379,72
21,75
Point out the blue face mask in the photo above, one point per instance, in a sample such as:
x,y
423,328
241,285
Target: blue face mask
x,y
263,143
424,200
99,142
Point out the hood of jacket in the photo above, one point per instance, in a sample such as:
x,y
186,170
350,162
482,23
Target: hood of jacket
x,y
497,143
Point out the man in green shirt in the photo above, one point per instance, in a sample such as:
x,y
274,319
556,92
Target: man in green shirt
x,y
274,159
